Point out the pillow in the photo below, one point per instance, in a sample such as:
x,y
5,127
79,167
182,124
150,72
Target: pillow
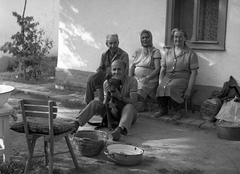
x,y
41,126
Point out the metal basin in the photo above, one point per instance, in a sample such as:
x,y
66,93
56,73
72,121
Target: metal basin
x,y
124,155
228,131
5,92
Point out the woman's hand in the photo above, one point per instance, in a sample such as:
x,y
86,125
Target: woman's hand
x,y
145,80
187,93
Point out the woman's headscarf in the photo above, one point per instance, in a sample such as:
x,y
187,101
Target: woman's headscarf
x,y
147,50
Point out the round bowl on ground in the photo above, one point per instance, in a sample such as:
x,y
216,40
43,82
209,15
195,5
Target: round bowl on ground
x,y
124,155
5,92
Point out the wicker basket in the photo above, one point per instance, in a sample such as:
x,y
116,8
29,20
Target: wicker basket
x,y
89,142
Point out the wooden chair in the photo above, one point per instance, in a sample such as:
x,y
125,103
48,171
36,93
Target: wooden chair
x,y
48,110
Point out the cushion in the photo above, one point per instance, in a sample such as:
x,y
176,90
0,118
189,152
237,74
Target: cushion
x,y
41,126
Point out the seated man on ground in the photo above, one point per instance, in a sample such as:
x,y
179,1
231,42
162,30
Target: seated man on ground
x,y
95,81
145,68
128,95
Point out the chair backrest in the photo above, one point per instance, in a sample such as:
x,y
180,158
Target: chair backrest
x,y
38,108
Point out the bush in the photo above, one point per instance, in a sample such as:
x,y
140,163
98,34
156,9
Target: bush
x,y
47,76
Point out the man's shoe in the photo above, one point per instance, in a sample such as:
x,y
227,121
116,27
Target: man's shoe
x,y
162,112
116,134
75,126
178,115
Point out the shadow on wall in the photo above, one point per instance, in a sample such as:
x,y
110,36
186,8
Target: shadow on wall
x,y
74,40
6,63
206,88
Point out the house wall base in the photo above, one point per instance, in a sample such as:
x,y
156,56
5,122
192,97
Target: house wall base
x,y
71,79
203,92
76,79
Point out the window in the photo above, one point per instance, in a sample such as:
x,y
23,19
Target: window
x,y
203,20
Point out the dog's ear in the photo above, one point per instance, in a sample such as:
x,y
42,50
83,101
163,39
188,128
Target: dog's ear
x,y
109,76
120,82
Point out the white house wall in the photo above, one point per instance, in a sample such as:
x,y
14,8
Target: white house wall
x,y
46,12
218,66
84,24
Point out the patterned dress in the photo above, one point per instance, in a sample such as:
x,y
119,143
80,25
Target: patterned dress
x,y
144,62
178,71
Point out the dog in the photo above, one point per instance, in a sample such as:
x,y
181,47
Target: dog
x,y
113,106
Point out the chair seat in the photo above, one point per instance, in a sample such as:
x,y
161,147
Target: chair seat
x,y
40,126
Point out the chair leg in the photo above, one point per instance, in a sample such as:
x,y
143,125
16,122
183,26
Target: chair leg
x,y
71,152
31,145
149,104
191,104
46,153
51,151
186,108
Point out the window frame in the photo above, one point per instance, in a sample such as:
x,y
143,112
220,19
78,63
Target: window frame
x,y
193,43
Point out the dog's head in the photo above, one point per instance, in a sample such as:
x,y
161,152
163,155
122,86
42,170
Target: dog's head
x,y
113,84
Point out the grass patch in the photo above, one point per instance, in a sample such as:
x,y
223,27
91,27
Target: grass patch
x,y
17,167
14,77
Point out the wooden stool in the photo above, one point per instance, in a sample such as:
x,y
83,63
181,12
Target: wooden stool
x,y
5,111
186,103
190,102
151,101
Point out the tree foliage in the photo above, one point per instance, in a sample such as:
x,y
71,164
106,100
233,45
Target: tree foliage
x,y
29,46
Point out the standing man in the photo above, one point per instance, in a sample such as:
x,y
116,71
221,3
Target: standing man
x,y
95,81
128,95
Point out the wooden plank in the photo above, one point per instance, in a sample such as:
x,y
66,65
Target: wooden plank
x,y
38,102
38,108
39,114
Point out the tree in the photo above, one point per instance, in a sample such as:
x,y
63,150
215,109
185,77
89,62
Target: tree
x,y
28,46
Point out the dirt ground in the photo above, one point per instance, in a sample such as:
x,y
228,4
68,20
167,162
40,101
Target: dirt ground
x,y
168,149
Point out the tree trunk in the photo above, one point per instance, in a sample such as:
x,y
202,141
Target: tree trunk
x,y
24,70
22,30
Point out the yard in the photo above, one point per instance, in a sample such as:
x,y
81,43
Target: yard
x,y
168,149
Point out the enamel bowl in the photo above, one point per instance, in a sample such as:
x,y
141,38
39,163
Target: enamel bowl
x,y
5,92
124,155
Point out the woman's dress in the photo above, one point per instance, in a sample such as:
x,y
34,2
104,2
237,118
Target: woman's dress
x,y
143,59
178,71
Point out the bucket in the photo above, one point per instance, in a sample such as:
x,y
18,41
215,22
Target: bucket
x,y
228,131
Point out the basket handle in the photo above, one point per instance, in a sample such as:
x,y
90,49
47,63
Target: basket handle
x,y
86,139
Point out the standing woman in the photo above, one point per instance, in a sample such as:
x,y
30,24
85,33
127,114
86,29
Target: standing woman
x,y
145,68
179,69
